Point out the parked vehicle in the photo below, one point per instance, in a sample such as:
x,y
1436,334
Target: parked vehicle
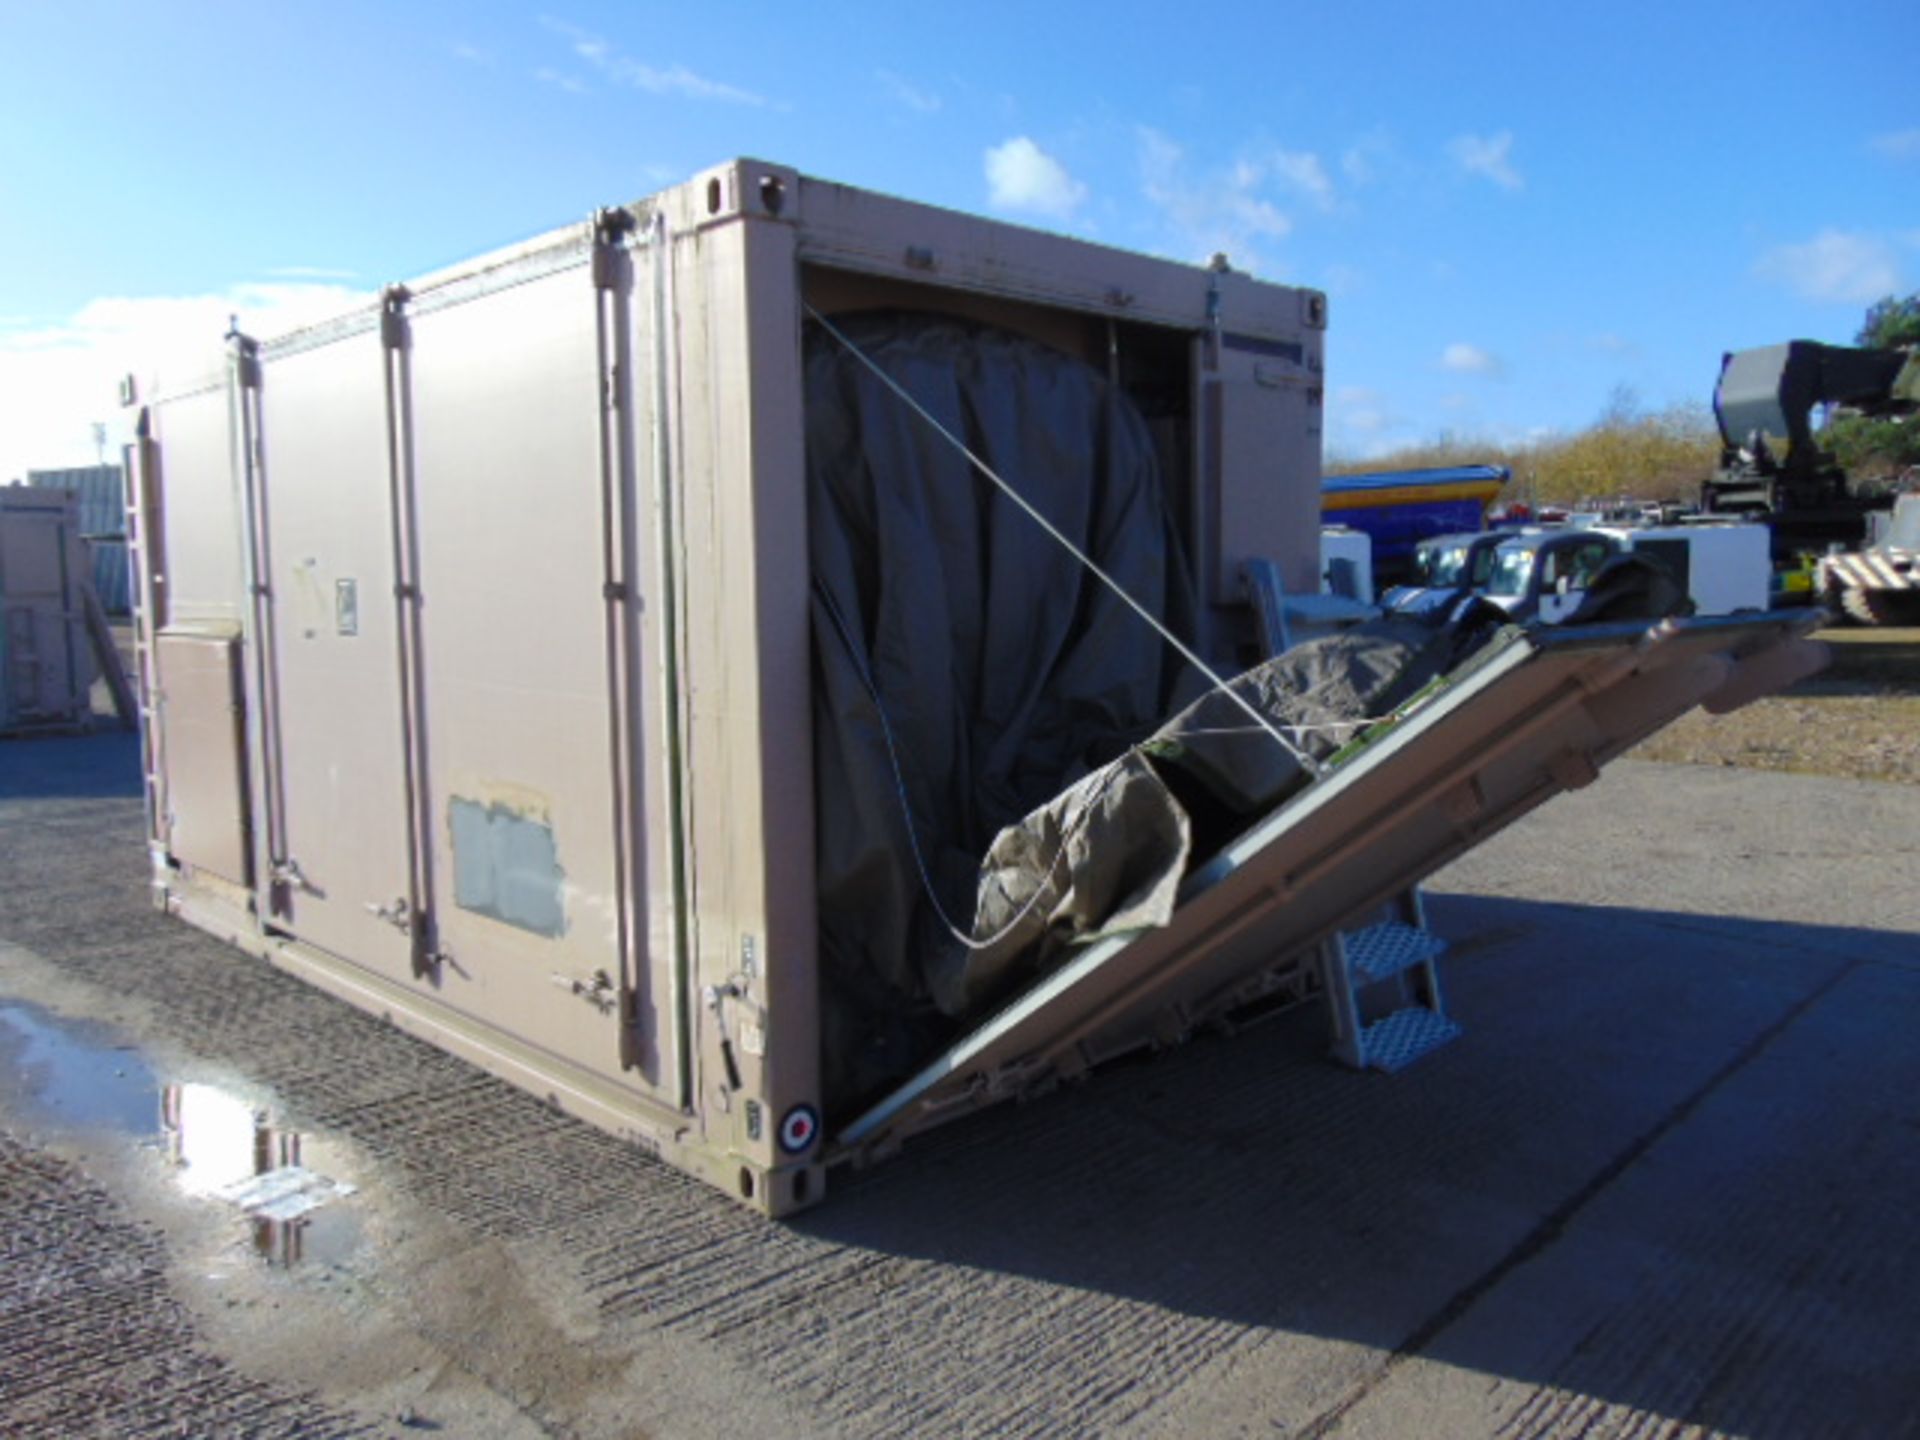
x,y
1445,568
1545,576
1724,569
1401,508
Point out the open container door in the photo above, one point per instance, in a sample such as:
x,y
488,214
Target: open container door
x,y
1536,713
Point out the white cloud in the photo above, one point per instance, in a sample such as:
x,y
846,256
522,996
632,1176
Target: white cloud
x,y
1465,359
1835,266
1219,213
1360,162
560,80
1362,423
1022,176
675,81
906,93
57,379
1608,343
472,54
1343,281
1302,170
1488,156
1897,144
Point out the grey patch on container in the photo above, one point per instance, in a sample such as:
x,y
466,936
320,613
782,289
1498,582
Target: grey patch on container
x,y
346,607
506,867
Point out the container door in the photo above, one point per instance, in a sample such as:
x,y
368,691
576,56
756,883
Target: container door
x,y
341,780
36,640
547,831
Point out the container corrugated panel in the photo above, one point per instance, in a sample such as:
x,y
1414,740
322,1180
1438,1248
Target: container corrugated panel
x,y
112,580
101,493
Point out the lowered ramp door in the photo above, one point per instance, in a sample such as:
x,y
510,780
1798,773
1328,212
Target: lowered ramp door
x,y
1535,714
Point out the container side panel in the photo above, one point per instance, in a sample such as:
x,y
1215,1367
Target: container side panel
x,y
1269,483
202,526
323,420
31,546
505,403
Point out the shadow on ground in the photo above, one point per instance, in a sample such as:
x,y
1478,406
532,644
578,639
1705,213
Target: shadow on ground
x,y
1665,1168
105,763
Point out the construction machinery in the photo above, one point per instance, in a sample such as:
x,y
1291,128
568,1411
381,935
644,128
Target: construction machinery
x,y
1772,467
1880,583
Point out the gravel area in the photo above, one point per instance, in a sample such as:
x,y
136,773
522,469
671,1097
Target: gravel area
x,y
1860,719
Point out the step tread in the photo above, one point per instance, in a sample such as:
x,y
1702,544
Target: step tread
x,y
1381,951
1395,1041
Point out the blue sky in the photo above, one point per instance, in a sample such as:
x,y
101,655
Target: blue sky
x,y
1514,208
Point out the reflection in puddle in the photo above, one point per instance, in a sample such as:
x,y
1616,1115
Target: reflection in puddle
x,y
228,1149
221,1146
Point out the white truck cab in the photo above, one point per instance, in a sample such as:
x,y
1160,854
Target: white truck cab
x,y
1544,576
1724,569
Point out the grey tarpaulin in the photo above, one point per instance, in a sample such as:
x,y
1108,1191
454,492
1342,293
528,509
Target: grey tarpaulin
x,y
1107,856
1004,671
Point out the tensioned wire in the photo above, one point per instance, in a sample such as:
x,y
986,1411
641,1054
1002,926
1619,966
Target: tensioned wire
x,y
1053,532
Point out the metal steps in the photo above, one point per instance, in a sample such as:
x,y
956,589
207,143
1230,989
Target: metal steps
x,y
1402,952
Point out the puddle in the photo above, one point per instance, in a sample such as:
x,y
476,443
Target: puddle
x,y
87,1085
223,1147
216,1144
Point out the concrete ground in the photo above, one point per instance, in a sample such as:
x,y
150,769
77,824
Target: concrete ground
x,y
1665,1184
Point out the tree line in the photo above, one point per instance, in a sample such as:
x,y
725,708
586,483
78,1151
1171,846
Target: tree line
x,y
1664,454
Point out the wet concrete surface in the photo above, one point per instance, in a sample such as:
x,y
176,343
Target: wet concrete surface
x,y
1663,1185
206,1141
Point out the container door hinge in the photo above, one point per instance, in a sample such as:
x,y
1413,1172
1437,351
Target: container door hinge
x,y
609,227
598,990
393,317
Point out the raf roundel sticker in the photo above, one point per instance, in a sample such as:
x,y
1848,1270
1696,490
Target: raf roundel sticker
x,y
798,1130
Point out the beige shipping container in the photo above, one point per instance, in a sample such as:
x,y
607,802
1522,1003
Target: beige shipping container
x,y
46,663
475,641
